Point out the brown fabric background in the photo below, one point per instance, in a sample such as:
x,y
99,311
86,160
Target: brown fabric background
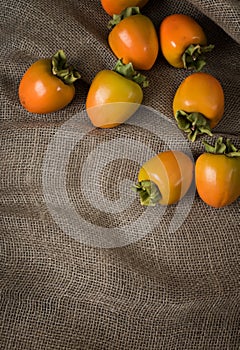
x,y
166,291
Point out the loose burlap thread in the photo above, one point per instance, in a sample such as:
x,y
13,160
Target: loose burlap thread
x,y
165,290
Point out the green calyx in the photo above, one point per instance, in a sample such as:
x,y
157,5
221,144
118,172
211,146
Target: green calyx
x,y
193,124
148,192
227,148
129,11
60,68
129,72
194,58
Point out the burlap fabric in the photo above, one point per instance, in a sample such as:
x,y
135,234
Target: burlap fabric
x,y
63,288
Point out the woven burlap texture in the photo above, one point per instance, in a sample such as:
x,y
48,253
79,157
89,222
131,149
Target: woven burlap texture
x,y
62,289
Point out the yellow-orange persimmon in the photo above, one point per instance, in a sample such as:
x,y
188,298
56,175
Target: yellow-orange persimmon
x,y
117,6
134,39
114,95
183,42
217,174
47,85
165,178
198,104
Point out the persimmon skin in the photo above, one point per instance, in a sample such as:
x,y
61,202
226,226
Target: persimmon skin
x,y
201,92
176,33
42,92
134,39
116,7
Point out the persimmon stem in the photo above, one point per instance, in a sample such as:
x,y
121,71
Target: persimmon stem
x,y
194,58
193,124
60,68
148,192
129,11
227,148
129,72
